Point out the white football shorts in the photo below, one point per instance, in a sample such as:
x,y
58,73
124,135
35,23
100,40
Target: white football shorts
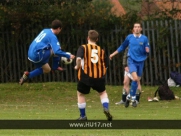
x,y
128,74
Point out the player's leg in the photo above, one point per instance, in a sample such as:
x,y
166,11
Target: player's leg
x,y
138,91
36,72
99,86
81,105
105,103
104,99
134,85
55,64
136,79
41,67
82,89
125,90
139,73
126,86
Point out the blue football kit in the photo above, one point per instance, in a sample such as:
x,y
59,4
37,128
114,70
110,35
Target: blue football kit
x,y
46,40
136,56
40,51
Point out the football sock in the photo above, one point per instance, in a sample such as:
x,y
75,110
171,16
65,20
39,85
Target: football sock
x,y
133,98
134,86
56,61
128,96
138,96
124,94
35,73
81,107
105,103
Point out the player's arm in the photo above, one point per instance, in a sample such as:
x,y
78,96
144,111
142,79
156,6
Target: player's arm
x,y
80,54
61,53
57,50
121,48
147,46
78,63
113,54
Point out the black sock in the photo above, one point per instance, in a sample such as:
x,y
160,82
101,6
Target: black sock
x,y
124,97
138,97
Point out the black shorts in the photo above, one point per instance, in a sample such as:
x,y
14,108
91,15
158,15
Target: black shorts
x,y
85,89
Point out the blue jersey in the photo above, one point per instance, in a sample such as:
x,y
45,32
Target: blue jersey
x,y
46,40
136,47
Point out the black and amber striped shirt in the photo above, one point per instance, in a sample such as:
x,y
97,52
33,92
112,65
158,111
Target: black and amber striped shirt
x,y
93,62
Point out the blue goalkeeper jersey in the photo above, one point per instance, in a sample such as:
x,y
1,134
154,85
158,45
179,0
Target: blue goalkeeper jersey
x,y
46,40
136,47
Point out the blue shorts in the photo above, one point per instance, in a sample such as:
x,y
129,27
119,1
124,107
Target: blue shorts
x,y
135,66
45,56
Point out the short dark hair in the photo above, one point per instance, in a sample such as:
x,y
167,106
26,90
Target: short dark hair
x,y
137,23
93,35
56,24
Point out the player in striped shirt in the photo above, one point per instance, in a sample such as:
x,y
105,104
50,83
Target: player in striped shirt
x,y
91,64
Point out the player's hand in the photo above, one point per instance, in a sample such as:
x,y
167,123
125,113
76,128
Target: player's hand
x,y
72,56
111,56
147,49
76,68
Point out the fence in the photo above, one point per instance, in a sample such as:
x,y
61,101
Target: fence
x,y
165,43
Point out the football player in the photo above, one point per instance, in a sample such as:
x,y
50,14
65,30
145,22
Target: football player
x,y
42,48
137,53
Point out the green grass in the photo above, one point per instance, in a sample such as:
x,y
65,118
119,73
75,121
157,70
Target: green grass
x,y
57,100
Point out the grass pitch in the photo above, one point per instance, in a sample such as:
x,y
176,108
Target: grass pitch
x,y
57,100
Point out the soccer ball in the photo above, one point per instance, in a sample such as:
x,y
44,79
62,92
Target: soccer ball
x,y
65,60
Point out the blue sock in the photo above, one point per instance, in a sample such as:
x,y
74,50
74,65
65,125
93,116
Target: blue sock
x,y
82,112
81,107
105,103
35,73
134,86
56,61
